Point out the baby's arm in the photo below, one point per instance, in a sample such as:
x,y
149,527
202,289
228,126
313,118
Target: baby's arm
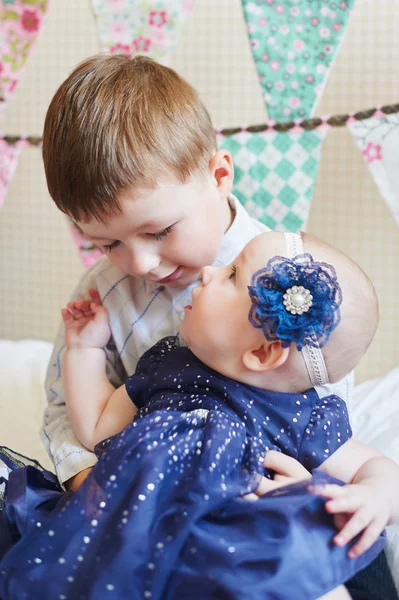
x,y
96,409
369,502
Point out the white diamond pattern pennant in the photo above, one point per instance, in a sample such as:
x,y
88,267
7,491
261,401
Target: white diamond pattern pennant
x,y
275,174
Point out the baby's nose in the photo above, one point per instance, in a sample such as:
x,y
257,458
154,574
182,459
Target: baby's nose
x,y
206,275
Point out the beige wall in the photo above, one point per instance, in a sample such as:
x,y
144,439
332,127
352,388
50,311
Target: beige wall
x,y
38,263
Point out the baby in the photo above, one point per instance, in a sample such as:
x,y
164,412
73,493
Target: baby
x,y
162,516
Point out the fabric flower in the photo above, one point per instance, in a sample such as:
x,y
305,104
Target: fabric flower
x,y
268,312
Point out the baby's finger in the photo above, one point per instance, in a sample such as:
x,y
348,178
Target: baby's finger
x,y
250,497
348,503
359,521
329,490
282,479
369,536
285,465
266,485
340,520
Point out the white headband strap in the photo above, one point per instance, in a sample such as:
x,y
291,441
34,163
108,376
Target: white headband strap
x,y
312,355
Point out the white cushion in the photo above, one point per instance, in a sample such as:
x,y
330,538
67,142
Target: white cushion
x,y
375,421
23,367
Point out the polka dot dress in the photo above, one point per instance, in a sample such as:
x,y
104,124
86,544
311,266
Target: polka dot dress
x,y
161,516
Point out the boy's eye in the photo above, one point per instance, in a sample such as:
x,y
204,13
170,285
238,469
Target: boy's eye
x,y
233,271
160,234
110,247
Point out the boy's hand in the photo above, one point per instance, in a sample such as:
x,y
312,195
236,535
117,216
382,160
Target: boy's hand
x,y
86,323
358,507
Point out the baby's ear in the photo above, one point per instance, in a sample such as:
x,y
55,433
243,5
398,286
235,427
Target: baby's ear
x,y
266,357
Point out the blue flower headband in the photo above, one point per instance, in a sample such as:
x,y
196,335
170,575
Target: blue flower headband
x,y
295,300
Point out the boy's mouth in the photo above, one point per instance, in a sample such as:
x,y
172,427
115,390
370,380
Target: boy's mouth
x,y
172,277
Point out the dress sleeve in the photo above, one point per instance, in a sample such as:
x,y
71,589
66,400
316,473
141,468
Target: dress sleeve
x,y
327,430
68,455
147,367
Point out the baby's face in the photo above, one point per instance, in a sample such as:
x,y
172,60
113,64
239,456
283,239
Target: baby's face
x,y
216,325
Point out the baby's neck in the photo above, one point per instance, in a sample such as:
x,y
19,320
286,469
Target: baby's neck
x,y
283,380
291,377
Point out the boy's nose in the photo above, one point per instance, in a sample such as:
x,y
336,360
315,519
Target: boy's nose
x,y
143,262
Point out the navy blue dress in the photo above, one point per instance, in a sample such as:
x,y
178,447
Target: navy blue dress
x,y
161,514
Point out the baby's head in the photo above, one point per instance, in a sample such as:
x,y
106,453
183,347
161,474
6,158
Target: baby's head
x,y
236,318
125,142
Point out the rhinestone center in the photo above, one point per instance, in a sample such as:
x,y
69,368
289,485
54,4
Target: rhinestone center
x,y
297,300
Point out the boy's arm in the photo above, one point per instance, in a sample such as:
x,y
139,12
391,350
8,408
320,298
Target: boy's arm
x,y
96,409
70,458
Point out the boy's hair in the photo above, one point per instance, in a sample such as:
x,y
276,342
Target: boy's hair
x,y
119,122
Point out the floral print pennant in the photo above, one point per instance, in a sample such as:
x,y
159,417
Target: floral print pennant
x,y
378,140
20,24
293,44
150,27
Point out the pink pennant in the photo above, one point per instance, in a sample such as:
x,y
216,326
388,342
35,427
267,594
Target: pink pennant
x,y
89,254
20,24
9,154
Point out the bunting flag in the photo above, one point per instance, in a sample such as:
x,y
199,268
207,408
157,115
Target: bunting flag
x,y
9,154
275,173
88,253
150,27
293,44
378,140
20,24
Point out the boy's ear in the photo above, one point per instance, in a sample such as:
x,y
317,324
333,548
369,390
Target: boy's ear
x,y
265,357
222,171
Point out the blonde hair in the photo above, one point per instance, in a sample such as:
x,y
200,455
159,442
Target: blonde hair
x,y
119,122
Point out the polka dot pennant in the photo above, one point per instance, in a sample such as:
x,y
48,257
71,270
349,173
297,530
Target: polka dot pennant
x,y
293,44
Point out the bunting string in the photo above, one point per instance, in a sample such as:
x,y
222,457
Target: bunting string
x,y
299,124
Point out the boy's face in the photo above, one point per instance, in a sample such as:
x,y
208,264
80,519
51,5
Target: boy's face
x,y
216,326
165,235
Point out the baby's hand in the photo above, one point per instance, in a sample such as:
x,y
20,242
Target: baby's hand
x,y
86,323
287,471
357,507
